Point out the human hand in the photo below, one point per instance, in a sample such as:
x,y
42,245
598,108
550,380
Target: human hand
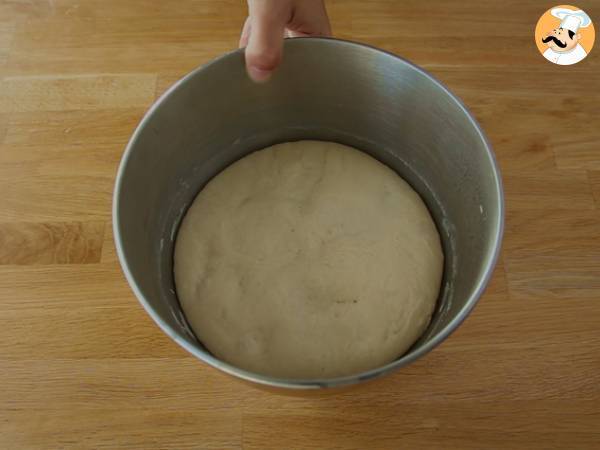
x,y
269,21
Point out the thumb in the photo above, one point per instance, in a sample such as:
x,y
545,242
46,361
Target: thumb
x,y
265,44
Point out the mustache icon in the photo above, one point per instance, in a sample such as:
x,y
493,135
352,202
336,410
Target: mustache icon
x,y
555,40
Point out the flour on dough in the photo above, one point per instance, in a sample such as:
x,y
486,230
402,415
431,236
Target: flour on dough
x,y
308,260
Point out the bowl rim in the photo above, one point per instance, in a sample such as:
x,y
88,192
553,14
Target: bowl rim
x,y
303,384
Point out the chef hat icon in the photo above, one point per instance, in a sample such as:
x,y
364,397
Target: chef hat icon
x,y
571,19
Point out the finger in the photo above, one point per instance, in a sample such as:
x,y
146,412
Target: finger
x,y
245,33
310,19
265,43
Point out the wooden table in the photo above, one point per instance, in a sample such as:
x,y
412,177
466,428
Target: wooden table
x,y
83,366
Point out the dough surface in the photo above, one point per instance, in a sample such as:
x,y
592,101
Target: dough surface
x,y
308,260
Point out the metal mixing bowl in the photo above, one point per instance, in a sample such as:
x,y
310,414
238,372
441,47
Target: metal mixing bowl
x,y
326,89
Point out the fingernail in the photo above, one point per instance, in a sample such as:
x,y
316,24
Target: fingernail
x,y
259,75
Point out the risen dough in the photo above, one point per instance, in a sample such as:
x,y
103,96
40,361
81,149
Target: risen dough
x,y
308,260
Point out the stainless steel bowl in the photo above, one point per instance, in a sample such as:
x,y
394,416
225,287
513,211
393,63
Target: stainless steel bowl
x,y
326,89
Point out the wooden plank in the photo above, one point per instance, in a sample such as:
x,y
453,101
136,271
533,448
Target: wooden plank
x,y
421,32
501,311
6,36
51,243
87,385
83,92
75,24
53,197
57,166
133,37
519,151
580,150
521,85
124,57
47,130
108,427
14,11
62,287
522,140
59,160
67,333
548,250
594,177
3,127
391,423
547,190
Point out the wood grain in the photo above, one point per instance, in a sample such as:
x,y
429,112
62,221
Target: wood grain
x,y
108,427
51,243
80,92
54,197
554,250
83,366
45,131
595,182
59,333
63,286
548,189
6,34
3,126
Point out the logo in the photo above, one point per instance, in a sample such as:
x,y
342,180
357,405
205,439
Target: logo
x,y
564,35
